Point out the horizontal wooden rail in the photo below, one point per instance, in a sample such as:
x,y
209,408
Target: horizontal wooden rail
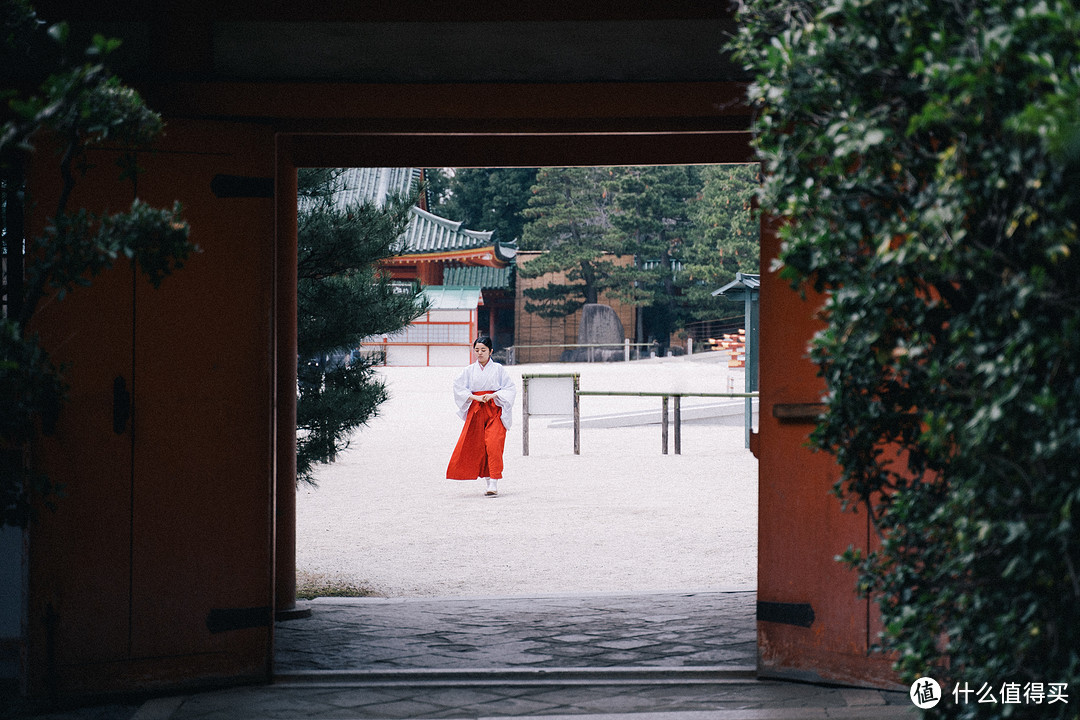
x,y
678,396
578,392
634,393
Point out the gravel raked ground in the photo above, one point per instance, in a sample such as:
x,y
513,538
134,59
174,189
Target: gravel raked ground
x,y
620,517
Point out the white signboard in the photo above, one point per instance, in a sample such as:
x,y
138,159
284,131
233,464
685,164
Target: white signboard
x,y
551,395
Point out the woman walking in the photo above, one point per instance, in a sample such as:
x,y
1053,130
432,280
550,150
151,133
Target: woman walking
x,y
484,395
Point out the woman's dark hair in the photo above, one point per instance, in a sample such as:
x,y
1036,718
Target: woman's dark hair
x,y
484,340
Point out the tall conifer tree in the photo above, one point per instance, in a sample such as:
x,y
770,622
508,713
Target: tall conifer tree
x,y
488,199
652,223
568,218
727,236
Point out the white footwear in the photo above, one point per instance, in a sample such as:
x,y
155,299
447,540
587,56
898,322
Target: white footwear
x,y
492,487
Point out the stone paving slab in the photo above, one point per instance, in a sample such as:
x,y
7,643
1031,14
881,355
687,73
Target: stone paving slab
x,y
656,629
674,656
750,700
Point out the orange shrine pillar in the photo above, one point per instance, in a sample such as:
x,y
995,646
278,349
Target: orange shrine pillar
x,y
285,188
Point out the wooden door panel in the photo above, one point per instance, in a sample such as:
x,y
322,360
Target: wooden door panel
x,y
79,590
158,567
204,394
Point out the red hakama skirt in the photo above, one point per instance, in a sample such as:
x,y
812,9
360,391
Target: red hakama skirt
x,y
479,451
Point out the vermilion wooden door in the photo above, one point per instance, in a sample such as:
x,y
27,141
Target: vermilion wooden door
x,y
157,569
811,623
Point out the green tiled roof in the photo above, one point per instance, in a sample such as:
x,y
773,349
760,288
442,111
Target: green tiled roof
x,y
485,277
452,297
743,283
375,185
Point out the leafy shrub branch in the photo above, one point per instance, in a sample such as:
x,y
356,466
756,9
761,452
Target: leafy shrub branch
x,y
55,100
925,157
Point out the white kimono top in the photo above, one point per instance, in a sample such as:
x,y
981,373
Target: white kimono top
x,y
492,378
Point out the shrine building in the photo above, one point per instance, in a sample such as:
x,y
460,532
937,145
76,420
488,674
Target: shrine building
x,y
465,275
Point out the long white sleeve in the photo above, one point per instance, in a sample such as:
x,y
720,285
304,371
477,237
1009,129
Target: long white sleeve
x,y
462,392
505,396
490,379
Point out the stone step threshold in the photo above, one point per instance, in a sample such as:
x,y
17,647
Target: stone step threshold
x,y
477,677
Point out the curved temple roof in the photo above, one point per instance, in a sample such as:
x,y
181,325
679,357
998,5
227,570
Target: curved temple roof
x,y
427,234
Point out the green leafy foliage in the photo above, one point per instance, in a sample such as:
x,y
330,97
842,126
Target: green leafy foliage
x,y
80,245
77,103
924,159
31,393
341,299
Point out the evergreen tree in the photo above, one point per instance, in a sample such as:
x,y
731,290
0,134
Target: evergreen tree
x,y
568,219
341,299
652,220
435,188
726,239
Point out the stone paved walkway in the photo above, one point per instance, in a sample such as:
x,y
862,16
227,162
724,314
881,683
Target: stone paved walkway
x,y
674,656
741,701
592,631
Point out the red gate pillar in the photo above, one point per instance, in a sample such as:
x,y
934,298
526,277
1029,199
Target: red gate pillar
x,y
285,187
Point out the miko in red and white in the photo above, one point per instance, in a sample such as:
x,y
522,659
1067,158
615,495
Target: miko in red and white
x,y
484,395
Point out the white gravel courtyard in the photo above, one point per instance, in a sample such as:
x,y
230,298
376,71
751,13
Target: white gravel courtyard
x,y
620,517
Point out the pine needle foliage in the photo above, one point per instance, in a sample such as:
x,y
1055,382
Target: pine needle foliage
x,y
568,216
341,299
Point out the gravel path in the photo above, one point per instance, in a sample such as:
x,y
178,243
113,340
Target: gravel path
x,y
621,517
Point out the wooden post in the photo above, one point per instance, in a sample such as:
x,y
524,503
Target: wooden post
x,y
525,416
664,424
577,414
678,424
285,421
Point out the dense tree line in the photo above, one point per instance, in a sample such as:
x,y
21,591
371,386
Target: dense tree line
x,y
659,238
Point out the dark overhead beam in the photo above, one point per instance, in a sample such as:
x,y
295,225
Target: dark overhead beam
x,y
378,150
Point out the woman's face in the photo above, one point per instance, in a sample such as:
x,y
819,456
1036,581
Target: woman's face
x,y
483,353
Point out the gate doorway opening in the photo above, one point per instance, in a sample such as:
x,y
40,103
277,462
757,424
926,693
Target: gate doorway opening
x,y
622,519
810,626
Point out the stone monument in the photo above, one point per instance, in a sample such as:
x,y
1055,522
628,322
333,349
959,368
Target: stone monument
x,y
599,324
